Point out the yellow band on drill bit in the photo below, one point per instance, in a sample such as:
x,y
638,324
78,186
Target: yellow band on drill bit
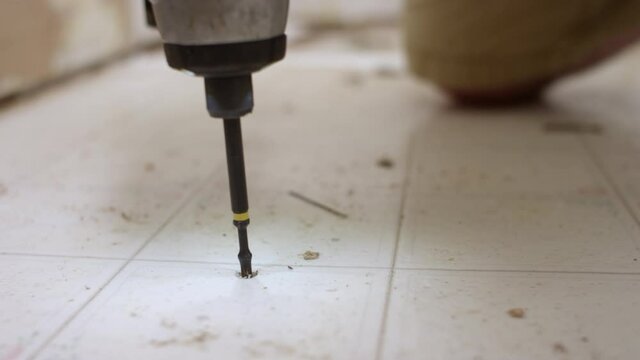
x,y
241,217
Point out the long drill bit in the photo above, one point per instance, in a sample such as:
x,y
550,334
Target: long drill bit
x,y
238,191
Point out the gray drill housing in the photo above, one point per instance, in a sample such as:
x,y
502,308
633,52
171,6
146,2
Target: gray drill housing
x,y
210,22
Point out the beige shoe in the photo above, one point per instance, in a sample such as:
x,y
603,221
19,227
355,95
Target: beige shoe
x,y
503,51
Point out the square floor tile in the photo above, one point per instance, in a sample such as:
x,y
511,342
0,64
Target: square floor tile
x,y
464,315
283,228
128,170
587,233
38,294
82,223
501,130
623,170
490,172
198,311
344,156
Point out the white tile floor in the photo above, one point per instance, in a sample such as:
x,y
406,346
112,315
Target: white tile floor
x,y
115,239
170,310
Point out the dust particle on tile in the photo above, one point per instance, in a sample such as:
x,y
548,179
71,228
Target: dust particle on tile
x,y
289,267
335,239
385,163
149,167
198,338
584,339
3,189
354,79
560,348
169,324
165,342
126,217
516,313
283,349
203,336
310,255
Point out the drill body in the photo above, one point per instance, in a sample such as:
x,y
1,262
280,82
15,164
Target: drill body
x,y
211,22
224,41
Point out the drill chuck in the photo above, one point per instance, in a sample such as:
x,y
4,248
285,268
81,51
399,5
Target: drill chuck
x,y
229,97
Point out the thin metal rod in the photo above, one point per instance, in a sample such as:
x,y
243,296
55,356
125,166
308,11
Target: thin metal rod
x,y
238,191
318,204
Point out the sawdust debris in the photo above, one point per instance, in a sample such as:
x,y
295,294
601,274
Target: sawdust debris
x,y
385,163
560,348
310,255
126,217
198,338
516,313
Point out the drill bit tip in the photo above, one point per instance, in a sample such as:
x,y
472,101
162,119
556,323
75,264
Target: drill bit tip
x,y
244,255
249,276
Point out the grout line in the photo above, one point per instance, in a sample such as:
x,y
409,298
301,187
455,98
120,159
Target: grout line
x,y
62,256
612,184
170,218
400,221
323,266
348,267
257,265
524,271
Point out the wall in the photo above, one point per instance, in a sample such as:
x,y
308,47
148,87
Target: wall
x,y
45,39
343,11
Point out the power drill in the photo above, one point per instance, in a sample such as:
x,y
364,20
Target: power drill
x,y
224,41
